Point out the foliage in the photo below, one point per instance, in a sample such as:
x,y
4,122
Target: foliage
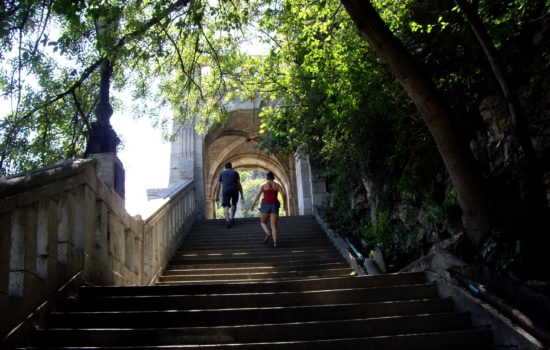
x,y
250,188
51,52
502,250
398,246
333,98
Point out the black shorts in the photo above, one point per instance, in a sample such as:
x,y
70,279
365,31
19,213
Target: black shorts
x,y
230,196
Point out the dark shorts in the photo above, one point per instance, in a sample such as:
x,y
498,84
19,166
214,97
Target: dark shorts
x,y
270,208
232,196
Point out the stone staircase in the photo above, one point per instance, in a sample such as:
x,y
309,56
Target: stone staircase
x,y
225,289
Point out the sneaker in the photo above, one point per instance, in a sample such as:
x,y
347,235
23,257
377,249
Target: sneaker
x,y
228,224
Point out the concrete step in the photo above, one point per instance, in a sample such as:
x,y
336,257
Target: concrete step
x,y
225,289
290,261
266,259
282,250
177,270
255,333
478,339
272,276
256,242
261,299
243,316
252,240
319,284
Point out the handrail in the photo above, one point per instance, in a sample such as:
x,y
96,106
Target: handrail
x,y
176,216
62,219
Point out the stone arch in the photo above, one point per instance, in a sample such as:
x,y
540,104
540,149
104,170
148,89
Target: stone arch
x,y
236,142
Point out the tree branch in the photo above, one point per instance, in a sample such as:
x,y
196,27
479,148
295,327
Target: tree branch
x,y
123,41
180,60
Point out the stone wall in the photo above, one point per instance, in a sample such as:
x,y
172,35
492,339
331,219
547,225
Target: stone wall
x,y
62,221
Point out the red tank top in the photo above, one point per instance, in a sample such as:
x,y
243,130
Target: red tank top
x,y
270,197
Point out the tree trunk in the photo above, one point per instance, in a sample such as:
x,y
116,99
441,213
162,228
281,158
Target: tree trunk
x,y
437,114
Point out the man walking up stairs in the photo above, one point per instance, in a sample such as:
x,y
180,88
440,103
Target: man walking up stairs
x,y
225,289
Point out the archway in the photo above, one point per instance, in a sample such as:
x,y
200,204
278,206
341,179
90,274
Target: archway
x,y
236,142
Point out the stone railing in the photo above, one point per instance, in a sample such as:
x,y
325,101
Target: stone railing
x,y
62,223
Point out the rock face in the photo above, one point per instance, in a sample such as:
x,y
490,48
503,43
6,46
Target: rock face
x,y
437,216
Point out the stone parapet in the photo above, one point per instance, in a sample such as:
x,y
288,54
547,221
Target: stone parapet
x,y
62,221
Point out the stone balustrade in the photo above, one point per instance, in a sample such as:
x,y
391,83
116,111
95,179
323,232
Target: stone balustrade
x,y
62,222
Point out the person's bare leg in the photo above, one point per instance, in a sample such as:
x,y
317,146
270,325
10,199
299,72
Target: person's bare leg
x,y
233,211
274,228
264,218
226,213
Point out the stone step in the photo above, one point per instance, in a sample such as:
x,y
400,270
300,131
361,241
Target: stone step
x,y
251,238
251,300
255,333
319,284
280,252
174,270
474,339
240,229
256,242
277,275
266,259
283,220
243,316
291,261
225,289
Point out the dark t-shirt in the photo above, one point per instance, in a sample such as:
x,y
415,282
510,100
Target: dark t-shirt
x,y
229,179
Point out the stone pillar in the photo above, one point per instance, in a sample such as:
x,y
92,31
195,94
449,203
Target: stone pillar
x,y
110,171
199,175
312,191
186,160
318,187
182,153
303,183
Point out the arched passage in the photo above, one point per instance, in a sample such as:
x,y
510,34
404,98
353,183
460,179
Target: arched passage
x,y
235,142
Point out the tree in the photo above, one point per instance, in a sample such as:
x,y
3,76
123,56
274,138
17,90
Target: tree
x,y
436,113
522,157
53,53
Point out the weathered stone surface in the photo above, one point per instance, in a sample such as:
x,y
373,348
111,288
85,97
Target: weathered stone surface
x,y
17,254
235,142
505,334
52,229
5,244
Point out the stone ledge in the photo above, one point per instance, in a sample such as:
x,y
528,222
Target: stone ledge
x,y
506,335
341,246
24,181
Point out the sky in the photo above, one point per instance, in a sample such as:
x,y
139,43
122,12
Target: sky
x,y
146,160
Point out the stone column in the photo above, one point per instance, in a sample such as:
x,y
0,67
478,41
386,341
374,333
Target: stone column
x,y
182,153
199,175
318,186
303,183
312,191
186,160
